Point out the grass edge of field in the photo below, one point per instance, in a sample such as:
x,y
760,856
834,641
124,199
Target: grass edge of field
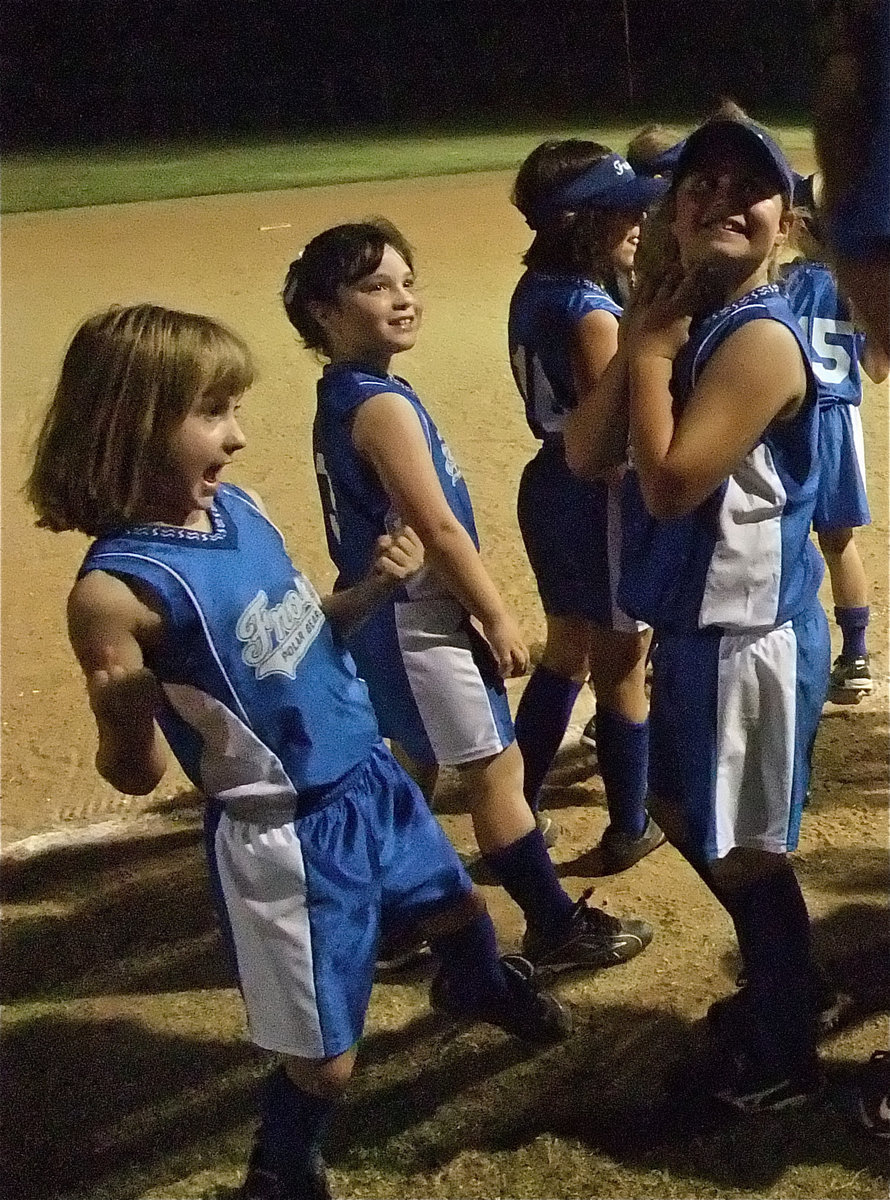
x,y
50,180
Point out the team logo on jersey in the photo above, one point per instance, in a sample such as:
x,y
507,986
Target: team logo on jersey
x,y
454,472
277,637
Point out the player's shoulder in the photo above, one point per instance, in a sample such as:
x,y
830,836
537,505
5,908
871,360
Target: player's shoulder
x,y
345,387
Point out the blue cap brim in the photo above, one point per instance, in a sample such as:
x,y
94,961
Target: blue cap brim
x,y
638,193
746,134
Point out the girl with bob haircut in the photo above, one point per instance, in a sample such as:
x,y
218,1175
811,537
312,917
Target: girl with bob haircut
x,y
435,681
190,620
717,558
585,206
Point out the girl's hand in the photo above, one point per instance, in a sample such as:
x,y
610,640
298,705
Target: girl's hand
x,y
658,319
120,698
507,644
397,556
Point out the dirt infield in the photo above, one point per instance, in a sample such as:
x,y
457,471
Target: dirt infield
x,y
227,256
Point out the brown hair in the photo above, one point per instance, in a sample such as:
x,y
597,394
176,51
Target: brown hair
x,y
336,258
564,241
129,377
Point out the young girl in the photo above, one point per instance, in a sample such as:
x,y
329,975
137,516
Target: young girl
x,y
837,350
717,558
585,205
188,617
435,681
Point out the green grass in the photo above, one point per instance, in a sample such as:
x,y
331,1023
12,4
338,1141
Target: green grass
x,y
67,179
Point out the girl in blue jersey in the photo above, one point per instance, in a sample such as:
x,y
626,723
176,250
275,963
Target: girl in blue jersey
x,y
837,351
190,621
435,681
717,558
585,205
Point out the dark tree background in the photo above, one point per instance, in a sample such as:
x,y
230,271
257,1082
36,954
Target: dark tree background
x,y
86,72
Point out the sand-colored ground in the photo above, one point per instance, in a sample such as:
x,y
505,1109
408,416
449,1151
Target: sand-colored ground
x,y
227,256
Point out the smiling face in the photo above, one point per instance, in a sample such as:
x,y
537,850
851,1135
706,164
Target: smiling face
x,y
375,317
198,448
622,239
729,214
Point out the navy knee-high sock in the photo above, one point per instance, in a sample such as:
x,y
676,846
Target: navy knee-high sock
x,y
293,1123
771,918
541,721
526,873
469,959
853,623
622,749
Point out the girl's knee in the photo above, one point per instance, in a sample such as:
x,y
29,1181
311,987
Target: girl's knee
x,y
325,1078
565,651
834,541
742,866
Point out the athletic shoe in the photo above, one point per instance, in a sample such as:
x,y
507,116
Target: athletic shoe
x,y
729,1015
619,851
524,1010
850,676
871,1096
399,953
588,733
262,1182
753,1088
592,939
549,829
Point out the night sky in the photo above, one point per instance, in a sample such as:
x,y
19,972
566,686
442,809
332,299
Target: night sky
x,y
86,72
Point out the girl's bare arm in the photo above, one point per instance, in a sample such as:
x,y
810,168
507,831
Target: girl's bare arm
x,y
108,625
596,431
387,433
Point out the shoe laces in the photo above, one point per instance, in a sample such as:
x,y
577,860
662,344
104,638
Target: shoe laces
x,y
595,920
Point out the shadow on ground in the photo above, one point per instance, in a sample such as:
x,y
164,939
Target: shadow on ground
x,y
95,1100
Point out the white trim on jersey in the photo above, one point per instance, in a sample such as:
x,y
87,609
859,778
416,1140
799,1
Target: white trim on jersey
x,y
744,576
756,739
191,595
235,765
263,879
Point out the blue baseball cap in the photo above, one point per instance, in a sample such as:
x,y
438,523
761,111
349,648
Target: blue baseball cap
x,y
749,136
609,183
664,163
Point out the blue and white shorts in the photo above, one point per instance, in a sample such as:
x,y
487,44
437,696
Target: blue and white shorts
x,y
841,502
572,535
302,901
433,681
732,723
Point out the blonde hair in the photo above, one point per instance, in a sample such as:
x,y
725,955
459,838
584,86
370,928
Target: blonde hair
x,y
129,377
649,143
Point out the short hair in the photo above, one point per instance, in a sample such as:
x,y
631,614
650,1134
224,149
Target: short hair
x,y
128,378
564,241
726,109
332,260
648,144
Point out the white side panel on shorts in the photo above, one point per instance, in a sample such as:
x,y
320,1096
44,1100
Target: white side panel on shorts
x,y
620,620
235,764
756,725
263,880
745,573
445,682
858,439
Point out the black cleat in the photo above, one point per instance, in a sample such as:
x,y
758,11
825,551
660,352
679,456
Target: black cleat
x,y
525,1011
263,1182
619,851
850,679
752,1088
592,940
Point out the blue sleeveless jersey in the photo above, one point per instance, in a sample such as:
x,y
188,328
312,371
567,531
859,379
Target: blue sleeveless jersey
x,y
261,703
743,559
356,507
860,225
834,343
543,311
